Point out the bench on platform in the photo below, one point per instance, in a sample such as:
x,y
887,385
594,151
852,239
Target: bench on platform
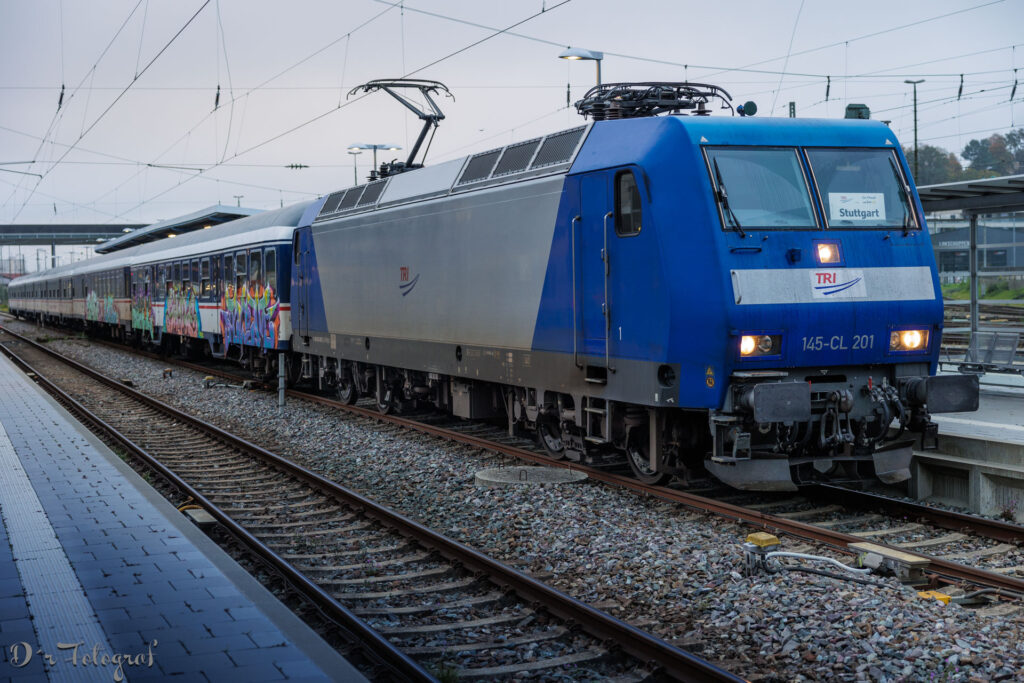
x,y
990,352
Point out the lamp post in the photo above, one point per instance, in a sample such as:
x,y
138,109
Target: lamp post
x,y
355,172
578,53
374,147
914,83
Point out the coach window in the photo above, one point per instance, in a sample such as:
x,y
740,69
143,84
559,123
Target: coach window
x,y
627,204
161,280
185,280
215,275
204,277
175,275
255,267
229,274
270,268
195,273
240,272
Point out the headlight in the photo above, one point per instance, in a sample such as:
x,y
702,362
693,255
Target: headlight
x,y
754,345
828,252
908,340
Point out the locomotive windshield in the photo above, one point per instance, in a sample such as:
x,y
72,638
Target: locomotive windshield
x,y
861,188
762,187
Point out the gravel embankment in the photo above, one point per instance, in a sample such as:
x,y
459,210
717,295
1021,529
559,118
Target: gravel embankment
x,y
668,570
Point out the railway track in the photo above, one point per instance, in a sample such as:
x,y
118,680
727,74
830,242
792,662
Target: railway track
x,y
964,551
422,604
958,558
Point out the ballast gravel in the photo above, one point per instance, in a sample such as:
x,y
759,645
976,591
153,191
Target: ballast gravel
x,y
666,569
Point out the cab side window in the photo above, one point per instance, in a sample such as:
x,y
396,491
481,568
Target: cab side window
x,y
627,205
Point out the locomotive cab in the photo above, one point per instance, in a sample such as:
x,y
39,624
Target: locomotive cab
x,y
835,314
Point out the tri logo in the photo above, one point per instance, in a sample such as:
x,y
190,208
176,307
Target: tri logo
x,y
846,283
404,283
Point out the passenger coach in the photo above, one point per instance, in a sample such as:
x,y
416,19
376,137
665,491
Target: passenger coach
x,y
220,292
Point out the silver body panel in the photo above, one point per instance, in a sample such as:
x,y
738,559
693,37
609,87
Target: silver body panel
x,y
435,273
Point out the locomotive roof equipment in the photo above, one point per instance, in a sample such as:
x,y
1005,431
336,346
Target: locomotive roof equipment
x,y
430,118
632,100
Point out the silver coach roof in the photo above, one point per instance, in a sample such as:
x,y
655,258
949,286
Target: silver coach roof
x,y
269,225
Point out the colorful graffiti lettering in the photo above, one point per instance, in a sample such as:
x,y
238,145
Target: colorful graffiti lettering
x,y
92,306
109,310
97,310
142,312
181,312
250,316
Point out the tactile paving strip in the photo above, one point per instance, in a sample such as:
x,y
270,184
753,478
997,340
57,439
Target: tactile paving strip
x,y
61,613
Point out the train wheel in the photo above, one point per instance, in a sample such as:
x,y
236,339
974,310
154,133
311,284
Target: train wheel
x,y
550,437
639,457
387,403
348,393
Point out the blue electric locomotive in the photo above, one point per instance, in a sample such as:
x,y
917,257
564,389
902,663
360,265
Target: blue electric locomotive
x,y
757,299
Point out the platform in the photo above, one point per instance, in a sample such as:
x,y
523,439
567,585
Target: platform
x,y
99,575
980,461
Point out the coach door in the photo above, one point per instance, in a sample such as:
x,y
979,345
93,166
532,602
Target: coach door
x,y
303,265
594,264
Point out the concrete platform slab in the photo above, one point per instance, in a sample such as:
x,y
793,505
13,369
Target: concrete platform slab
x,y
99,574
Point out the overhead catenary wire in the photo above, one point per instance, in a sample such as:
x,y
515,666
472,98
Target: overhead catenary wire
x,y
324,114
118,98
57,115
245,97
237,148
792,36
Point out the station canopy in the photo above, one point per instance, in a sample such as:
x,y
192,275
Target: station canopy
x,y
988,195
198,220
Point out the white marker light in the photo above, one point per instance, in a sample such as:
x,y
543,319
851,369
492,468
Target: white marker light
x,y
828,253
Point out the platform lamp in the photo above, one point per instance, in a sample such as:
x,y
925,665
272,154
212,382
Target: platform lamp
x,y
355,171
578,53
374,147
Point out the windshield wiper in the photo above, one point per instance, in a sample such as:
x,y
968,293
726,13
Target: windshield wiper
x,y
723,198
905,198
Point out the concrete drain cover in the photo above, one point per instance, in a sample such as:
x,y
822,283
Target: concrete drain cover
x,y
514,476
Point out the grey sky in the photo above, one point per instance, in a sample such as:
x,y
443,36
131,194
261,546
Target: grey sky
x,y
506,88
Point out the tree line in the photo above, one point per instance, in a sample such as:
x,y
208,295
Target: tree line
x,y
996,155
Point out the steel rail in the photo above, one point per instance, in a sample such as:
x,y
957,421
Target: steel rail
x,y
939,567
324,602
635,642
946,519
